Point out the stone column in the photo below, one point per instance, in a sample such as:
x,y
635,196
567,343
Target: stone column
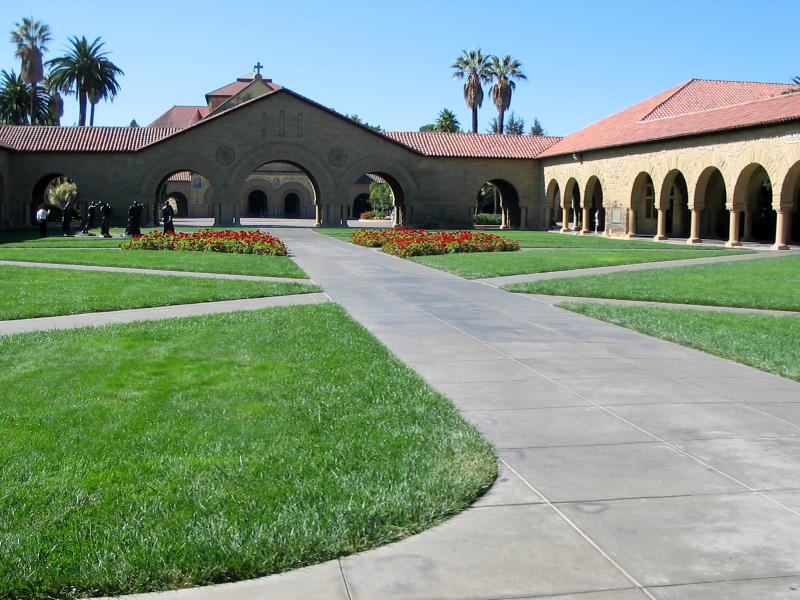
x,y
586,218
564,218
694,228
780,229
575,217
661,232
317,215
733,230
748,226
631,222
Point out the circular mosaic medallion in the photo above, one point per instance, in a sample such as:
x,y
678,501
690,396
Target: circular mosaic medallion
x,y
337,157
225,155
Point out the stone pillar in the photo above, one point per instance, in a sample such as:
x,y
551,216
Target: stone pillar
x,y
503,218
661,232
733,230
586,218
748,226
631,222
780,229
317,215
344,215
575,217
694,228
564,219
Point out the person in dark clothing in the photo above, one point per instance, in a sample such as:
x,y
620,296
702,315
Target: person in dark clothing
x,y
135,219
166,217
90,213
105,214
66,218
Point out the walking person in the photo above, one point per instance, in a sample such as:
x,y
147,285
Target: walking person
x,y
166,217
66,218
41,218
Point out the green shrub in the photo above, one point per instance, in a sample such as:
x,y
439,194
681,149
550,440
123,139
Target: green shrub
x,y
486,219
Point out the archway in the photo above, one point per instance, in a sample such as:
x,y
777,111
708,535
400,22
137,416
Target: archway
x,y
572,205
790,206
675,203
191,193
505,200
710,201
360,205
643,206
257,203
554,214
595,220
279,190
380,194
752,196
52,191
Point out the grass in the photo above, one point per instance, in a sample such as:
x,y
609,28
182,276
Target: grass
x,y
27,292
29,238
498,264
166,454
209,262
547,239
772,283
765,342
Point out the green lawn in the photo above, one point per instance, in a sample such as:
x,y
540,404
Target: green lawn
x,y
209,262
549,239
29,238
27,292
189,451
498,264
765,342
760,283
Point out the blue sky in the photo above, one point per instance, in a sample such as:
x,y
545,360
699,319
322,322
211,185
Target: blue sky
x,y
389,62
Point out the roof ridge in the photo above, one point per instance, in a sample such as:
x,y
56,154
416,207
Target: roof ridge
x,y
747,81
667,99
645,120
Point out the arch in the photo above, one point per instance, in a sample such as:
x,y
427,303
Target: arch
x,y
553,205
257,202
710,200
164,167
360,204
193,187
509,203
571,201
752,195
643,206
291,205
674,201
181,202
39,196
593,201
790,204
400,216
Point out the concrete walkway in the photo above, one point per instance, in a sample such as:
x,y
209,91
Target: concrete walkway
x,y
666,264
43,265
631,468
155,313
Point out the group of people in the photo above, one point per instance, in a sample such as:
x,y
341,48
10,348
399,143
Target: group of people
x,y
135,211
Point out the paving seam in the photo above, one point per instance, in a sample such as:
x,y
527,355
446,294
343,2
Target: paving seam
x,y
344,579
135,271
593,403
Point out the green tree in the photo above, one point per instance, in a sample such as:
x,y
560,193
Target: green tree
x,y
515,125
134,123
536,128
380,197
358,120
447,122
31,38
428,127
493,126
86,72
474,66
15,101
504,73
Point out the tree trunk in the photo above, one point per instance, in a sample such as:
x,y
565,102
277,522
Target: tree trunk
x,y
475,119
81,108
33,103
91,115
501,114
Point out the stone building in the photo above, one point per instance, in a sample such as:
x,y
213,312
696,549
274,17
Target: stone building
x,y
705,159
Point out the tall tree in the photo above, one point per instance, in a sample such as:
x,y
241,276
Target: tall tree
x,y
536,128
86,72
15,101
474,66
56,103
504,73
31,38
515,125
493,126
447,122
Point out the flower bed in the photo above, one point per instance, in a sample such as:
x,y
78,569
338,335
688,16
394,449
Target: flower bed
x,y
209,240
418,242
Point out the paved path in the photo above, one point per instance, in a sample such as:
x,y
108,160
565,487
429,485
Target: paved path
x,y
631,468
666,264
42,265
550,299
155,313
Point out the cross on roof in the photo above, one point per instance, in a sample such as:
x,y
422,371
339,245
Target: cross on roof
x,y
258,66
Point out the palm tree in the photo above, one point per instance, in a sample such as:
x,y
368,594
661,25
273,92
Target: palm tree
x,y
86,72
474,65
31,38
504,71
15,101
447,121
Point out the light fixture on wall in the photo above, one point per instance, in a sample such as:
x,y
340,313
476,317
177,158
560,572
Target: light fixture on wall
x,y
577,157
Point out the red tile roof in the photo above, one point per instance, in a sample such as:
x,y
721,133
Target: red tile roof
x,y
237,86
473,145
180,117
27,138
180,176
692,108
